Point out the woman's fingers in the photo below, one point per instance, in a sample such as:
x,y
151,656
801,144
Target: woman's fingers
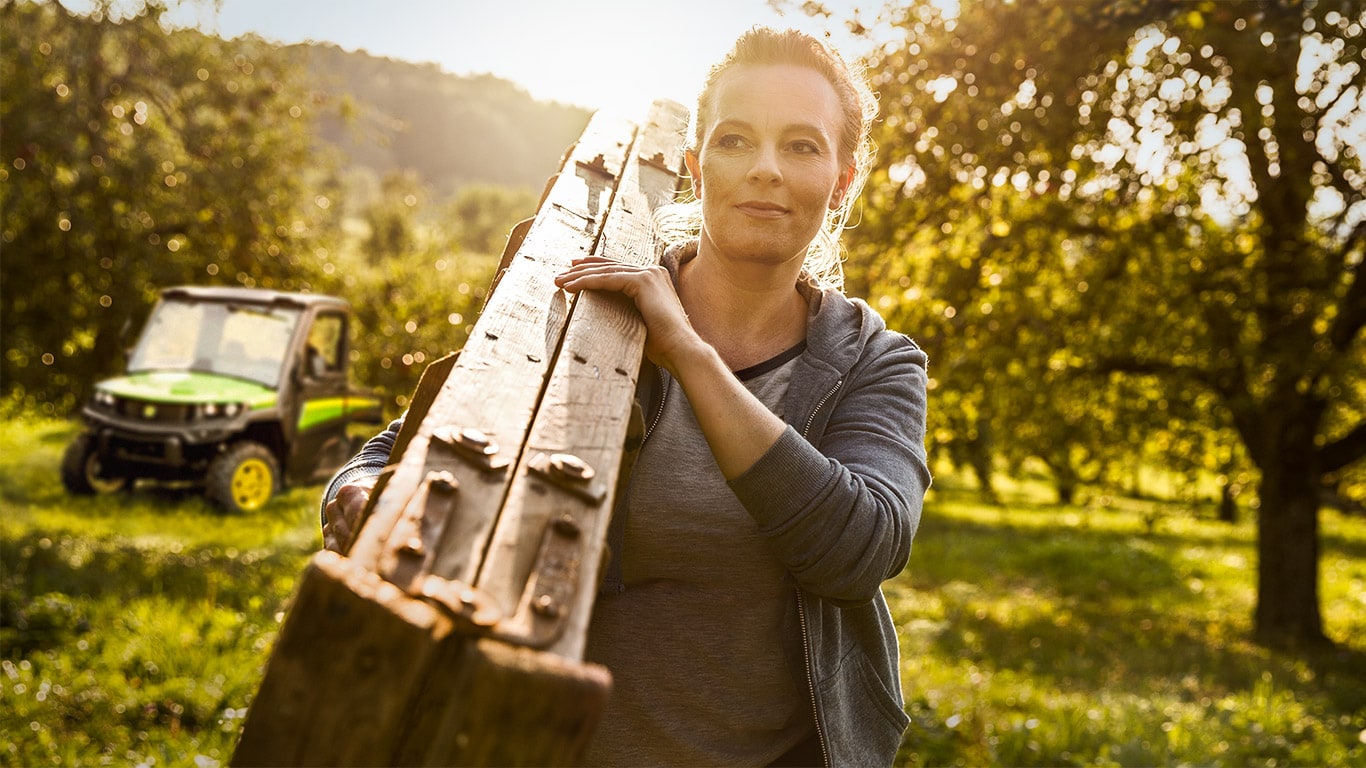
x,y
596,273
651,288
599,272
336,533
344,513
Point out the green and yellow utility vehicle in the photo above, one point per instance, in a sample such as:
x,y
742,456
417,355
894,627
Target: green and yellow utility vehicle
x,y
241,391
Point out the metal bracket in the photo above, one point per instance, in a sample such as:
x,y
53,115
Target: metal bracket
x,y
411,549
476,609
472,445
408,549
544,607
570,473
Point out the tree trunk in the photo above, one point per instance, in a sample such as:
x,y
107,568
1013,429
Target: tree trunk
x,y
1288,546
1228,507
979,458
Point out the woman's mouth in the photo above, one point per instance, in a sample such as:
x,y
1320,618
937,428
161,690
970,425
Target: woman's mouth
x,y
761,209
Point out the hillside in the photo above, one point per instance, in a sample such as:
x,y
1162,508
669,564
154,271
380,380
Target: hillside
x,y
452,131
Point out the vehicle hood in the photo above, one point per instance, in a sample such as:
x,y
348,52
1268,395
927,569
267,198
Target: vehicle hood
x,y
188,387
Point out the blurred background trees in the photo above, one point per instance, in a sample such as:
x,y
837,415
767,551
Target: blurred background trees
x,y
137,159
134,157
1130,234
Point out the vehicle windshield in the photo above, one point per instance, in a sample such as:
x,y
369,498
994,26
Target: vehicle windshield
x,y
245,341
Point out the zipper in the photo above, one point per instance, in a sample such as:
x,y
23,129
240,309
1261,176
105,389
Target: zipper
x,y
659,412
811,679
801,608
812,418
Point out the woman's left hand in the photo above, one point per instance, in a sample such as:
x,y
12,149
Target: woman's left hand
x,y
669,335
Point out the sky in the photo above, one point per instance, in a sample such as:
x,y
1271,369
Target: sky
x,y
616,55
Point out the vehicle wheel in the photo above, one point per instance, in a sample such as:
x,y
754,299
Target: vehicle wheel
x,y
83,472
243,477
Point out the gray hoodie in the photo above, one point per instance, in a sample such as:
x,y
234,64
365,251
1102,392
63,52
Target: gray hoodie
x,y
840,496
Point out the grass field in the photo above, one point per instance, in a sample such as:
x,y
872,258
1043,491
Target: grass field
x,y
133,629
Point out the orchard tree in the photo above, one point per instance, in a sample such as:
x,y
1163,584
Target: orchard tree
x,y
1156,198
391,226
414,288
134,157
482,215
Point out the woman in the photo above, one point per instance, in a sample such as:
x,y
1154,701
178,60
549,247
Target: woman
x,y
781,479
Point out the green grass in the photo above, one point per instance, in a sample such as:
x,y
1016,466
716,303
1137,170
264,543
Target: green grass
x,y
134,627
1039,635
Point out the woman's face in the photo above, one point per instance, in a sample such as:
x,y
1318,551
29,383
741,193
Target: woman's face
x,y
768,168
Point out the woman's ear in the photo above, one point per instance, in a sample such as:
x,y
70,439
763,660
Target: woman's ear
x,y
694,172
841,187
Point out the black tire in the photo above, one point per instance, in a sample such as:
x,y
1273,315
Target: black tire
x,y
243,477
83,472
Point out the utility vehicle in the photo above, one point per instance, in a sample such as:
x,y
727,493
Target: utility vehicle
x,y
240,391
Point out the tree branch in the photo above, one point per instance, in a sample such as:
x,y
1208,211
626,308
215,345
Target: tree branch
x,y
1108,365
1344,451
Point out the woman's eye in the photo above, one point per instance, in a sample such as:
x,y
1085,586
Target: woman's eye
x,y
806,148
729,141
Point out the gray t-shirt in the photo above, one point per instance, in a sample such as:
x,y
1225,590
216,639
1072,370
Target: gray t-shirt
x,y
695,642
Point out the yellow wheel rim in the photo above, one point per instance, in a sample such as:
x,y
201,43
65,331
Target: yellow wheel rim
x,y
251,484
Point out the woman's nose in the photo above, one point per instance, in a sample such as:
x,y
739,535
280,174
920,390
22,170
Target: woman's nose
x,y
765,167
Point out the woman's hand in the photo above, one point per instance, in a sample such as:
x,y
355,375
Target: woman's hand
x,y
739,429
343,513
669,335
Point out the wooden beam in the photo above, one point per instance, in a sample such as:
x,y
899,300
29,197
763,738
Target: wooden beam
x,y
452,632
585,411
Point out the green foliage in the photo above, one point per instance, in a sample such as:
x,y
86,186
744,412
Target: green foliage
x,y
133,159
485,214
135,628
390,220
1128,231
417,279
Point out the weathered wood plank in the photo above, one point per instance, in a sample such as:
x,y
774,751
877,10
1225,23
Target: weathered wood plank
x,y
339,679
506,705
430,643
584,414
500,374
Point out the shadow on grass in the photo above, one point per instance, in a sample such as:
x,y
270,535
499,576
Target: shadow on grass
x,y
46,576
1354,549
1090,611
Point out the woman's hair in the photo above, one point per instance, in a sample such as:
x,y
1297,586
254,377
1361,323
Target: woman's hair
x,y
763,46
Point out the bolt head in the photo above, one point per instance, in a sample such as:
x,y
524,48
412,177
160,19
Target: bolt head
x,y
567,526
545,606
569,465
443,482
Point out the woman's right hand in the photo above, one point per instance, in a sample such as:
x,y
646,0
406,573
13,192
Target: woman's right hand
x,y
344,513
670,337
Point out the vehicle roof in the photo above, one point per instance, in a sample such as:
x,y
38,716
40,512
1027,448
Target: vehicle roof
x,y
252,295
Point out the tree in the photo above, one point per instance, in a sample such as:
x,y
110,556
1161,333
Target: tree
x,y
483,215
135,158
392,228
414,289
1163,196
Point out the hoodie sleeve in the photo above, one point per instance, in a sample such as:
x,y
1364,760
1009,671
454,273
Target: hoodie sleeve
x,y
841,512
371,460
